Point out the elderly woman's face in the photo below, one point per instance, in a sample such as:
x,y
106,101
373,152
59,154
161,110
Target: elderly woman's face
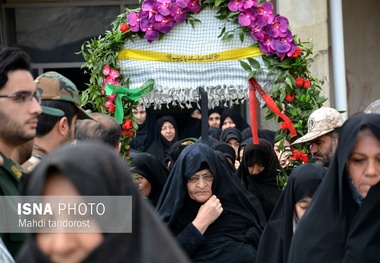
x,y
228,122
65,247
364,162
199,185
168,131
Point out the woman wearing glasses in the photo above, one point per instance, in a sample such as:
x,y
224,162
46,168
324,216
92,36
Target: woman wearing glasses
x,y
207,210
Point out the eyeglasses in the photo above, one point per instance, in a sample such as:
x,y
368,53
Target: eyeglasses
x,y
24,96
209,177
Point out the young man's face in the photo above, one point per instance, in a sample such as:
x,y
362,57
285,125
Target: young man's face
x,y
18,114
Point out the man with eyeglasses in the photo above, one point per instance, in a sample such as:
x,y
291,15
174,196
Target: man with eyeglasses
x,y
56,126
19,110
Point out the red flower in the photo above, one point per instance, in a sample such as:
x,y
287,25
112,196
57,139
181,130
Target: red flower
x,y
124,27
289,98
296,52
130,133
127,133
298,155
111,108
306,83
284,126
304,158
127,124
299,82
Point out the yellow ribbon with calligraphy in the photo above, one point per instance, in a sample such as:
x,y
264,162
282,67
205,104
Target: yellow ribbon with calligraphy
x,y
234,54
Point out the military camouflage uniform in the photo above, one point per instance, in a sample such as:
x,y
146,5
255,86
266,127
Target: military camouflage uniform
x,y
10,175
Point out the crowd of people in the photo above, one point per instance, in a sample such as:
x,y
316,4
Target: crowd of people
x,y
192,201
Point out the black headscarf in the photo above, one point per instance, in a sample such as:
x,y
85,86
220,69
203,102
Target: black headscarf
x,y
145,134
230,133
277,236
193,125
239,121
215,110
268,135
175,150
153,170
335,228
263,185
160,147
177,209
214,132
224,148
96,169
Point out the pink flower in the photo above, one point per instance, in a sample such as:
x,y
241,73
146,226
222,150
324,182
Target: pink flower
x,y
114,73
250,3
194,6
235,5
134,21
111,98
246,17
109,80
106,70
265,12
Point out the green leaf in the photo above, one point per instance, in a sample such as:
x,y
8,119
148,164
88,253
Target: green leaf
x,y
227,36
218,2
241,36
222,32
289,82
252,74
245,66
254,63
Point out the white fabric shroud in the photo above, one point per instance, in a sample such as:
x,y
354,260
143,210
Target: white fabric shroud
x,y
178,83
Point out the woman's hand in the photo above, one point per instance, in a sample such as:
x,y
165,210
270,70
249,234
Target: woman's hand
x,y
208,213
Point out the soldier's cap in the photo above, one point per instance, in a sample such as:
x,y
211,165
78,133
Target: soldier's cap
x,y
321,122
55,86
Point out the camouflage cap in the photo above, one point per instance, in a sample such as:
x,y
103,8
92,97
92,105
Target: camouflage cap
x,y
321,122
55,86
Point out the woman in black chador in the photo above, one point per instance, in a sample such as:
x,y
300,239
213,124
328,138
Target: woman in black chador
x,y
93,169
150,176
277,236
207,210
146,132
342,223
167,135
257,173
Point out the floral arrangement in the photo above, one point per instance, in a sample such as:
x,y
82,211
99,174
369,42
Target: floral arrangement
x,y
294,90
